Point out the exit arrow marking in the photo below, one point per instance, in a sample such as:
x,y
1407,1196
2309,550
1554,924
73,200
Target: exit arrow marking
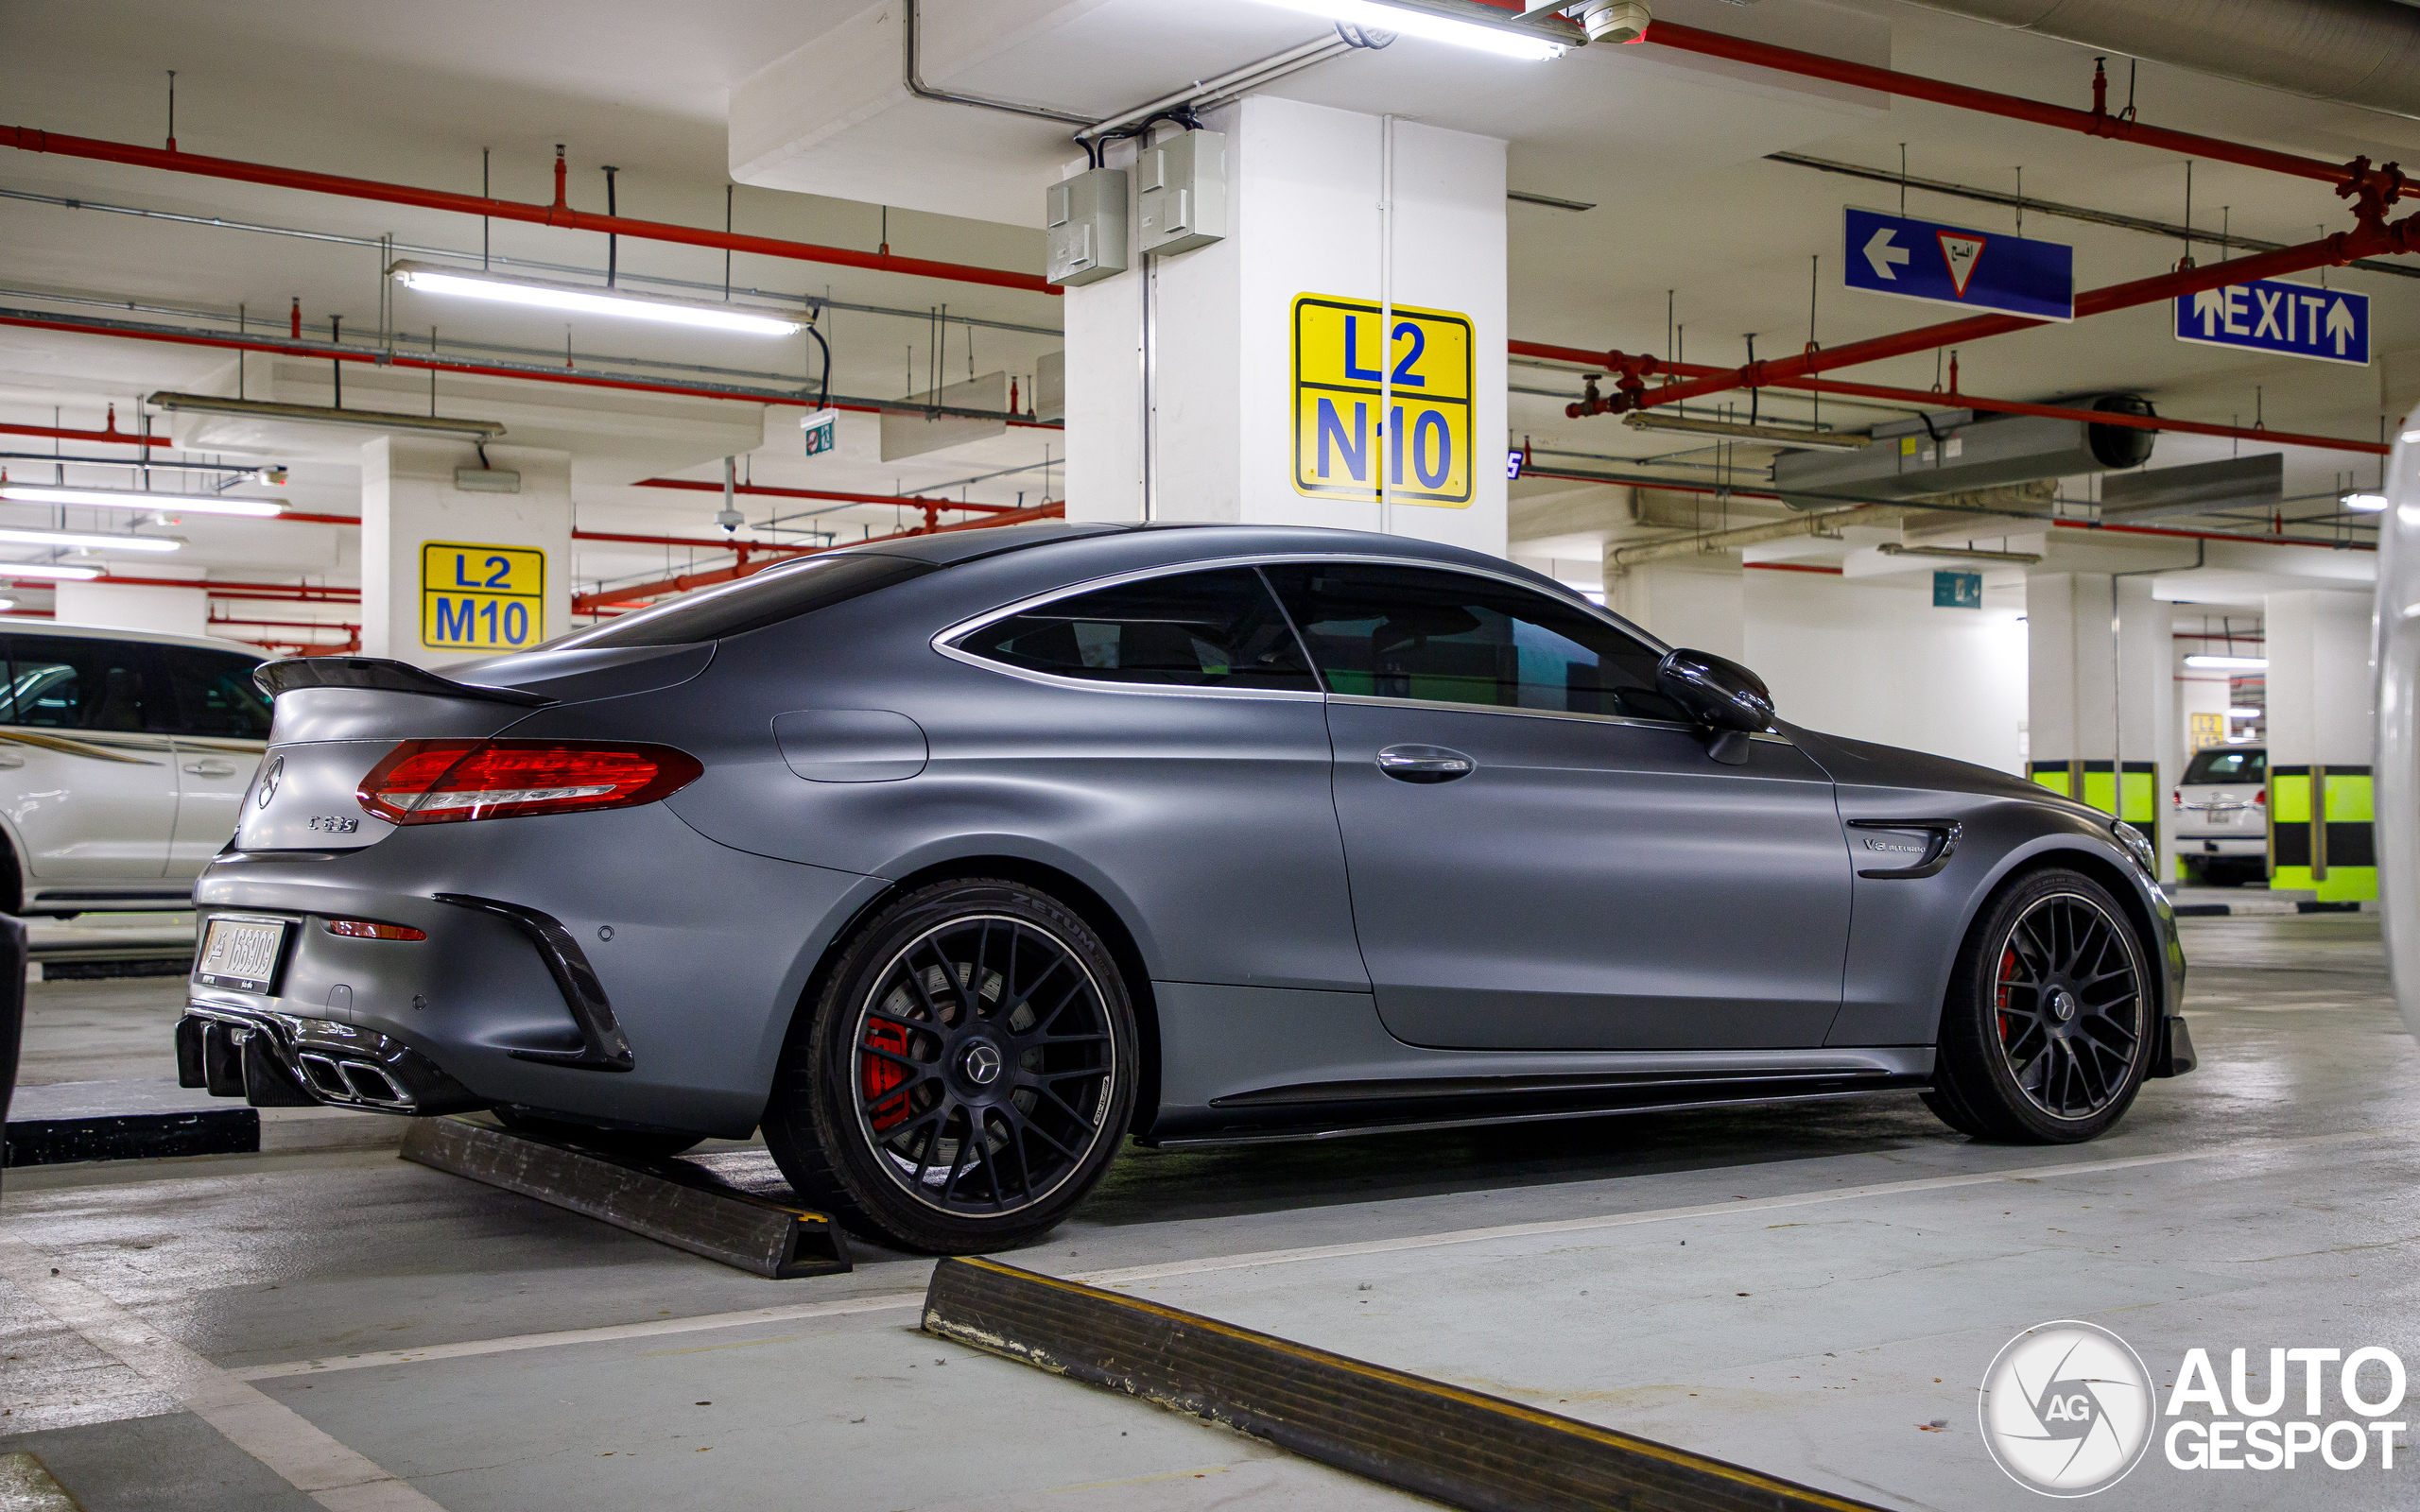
x,y
1881,253
2339,325
2209,307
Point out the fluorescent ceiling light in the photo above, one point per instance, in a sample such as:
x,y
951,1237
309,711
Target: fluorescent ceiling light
x,y
46,569
581,299
376,420
1647,419
2364,502
1505,39
88,539
2026,558
2230,663
2245,714
6,603
134,499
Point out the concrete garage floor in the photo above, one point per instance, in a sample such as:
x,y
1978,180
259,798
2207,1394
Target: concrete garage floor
x,y
1802,1290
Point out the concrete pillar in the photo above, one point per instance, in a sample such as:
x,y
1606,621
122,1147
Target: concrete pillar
x,y
1699,604
2321,740
137,606
2099,700
1194,381
448,575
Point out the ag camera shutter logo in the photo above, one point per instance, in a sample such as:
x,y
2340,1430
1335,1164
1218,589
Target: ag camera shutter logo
x,y
2067,1409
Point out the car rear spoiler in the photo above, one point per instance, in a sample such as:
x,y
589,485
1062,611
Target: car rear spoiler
x,y
273,677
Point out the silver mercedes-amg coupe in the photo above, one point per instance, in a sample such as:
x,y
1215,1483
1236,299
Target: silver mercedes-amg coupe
x,y
953,862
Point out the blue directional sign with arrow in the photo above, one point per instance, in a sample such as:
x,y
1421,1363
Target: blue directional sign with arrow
x,y
2290,320
1953,265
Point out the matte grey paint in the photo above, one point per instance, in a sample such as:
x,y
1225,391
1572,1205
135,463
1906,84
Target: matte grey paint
x,y
1619,905
851,745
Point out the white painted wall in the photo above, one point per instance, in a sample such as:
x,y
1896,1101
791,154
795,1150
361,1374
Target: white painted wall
x,y
1305,184
123,607
1872,659
409,499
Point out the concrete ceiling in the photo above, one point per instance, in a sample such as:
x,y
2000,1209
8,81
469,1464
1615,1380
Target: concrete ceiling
x,y
1670,152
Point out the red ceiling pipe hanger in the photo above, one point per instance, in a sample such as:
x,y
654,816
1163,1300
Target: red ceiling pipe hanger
x,y
2357,176
2373,238
702,487
590,603
1932,398
112,436
559,213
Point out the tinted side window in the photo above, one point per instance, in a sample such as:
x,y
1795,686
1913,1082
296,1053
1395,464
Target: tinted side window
x,y
215,695
66,682
1421,632
1211,629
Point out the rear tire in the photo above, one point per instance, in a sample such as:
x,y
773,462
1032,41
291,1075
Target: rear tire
x,y
625,1144
2051,1017
966,1074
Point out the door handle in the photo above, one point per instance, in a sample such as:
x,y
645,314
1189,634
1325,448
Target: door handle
x,y
1425,763
210,768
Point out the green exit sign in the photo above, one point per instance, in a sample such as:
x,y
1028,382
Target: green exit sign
x,y
821,426
1957,590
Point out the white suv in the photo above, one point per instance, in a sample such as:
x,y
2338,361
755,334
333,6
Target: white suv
x,y
2221,815
124,758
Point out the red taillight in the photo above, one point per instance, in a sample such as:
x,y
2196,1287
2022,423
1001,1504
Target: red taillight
x,y
2176,796
372,929
2261,798
438,782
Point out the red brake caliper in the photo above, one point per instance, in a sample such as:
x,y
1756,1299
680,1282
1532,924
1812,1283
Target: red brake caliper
x,y
879,1077
2007,975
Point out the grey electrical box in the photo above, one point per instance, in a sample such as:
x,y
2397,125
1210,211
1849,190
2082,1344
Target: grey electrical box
x,y
1181,186
1084,220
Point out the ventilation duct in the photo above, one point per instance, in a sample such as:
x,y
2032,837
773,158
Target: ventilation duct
x,y
2355,52
1960,452
2254,484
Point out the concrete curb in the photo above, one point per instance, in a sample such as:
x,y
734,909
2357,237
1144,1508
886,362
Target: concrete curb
x,y
1459,1447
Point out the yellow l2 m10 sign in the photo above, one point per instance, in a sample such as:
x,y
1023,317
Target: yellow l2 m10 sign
x,y
1346,369
481,598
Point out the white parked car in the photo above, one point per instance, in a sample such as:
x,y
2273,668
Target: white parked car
x,y
2221,815
124,758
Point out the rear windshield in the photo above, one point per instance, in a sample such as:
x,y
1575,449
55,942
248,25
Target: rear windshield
x,y
768,597
2221,763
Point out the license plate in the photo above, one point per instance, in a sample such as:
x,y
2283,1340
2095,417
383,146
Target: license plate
x,y
240,953
2225,816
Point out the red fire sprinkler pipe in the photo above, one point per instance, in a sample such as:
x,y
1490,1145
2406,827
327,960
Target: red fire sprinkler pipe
x,y
2373,238
1932,398
2357,176
559,213
604,598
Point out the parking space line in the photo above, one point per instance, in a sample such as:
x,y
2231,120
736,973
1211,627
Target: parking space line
x,y
268,1431
1133,1275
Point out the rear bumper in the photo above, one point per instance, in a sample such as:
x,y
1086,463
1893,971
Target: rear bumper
x,y
614,966
2228,845
282,1060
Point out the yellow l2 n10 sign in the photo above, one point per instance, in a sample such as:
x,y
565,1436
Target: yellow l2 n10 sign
x,y
481,598
1344,368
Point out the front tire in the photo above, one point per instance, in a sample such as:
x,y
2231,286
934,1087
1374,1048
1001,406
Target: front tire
x,y
2052,1016
966,1074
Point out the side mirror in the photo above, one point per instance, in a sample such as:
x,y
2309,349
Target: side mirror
x,y
1719,693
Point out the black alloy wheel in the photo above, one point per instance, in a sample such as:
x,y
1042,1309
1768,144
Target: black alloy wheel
x,y
968,1072
2052,1016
